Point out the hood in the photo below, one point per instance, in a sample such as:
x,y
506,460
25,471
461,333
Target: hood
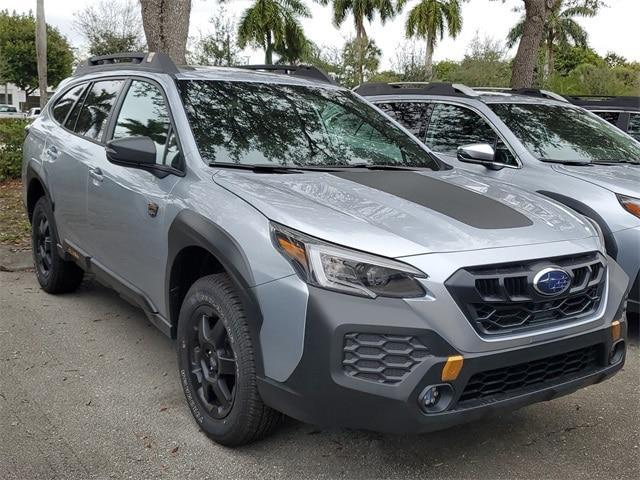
x,y
402,213
623,178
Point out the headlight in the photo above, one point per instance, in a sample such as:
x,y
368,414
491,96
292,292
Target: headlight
x,y
630,204
597,228
348,271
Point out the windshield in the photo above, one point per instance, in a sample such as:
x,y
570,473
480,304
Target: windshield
x,y
294,126
566,134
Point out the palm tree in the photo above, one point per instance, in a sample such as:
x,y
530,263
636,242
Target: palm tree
x,y
429,19
560,29
273,25
361,10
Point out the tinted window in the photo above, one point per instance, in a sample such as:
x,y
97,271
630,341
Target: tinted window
x,y
62,106
611,117
452,126
567,134
287,125
144,113
410,115
97,105
8,109
634,125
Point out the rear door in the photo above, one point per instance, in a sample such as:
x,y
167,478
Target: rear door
x,y
65,173
126,206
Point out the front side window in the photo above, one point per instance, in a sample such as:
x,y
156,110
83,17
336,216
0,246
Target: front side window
x,y
634,125
297,126
144,113
560,133
611,117
97,105
412,115
63,105
452,126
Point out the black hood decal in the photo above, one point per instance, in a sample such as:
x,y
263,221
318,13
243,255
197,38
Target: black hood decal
x,y
464,205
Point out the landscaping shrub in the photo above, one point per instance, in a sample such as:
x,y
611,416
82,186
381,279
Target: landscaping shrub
x,y
11,139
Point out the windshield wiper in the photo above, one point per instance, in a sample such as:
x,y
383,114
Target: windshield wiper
x,y
375,166
566,162
628,162
255,168
265,168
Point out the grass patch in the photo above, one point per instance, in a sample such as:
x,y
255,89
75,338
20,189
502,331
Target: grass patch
x,y
14,224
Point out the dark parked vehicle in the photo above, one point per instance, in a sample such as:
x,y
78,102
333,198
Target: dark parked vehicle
x,y
623,112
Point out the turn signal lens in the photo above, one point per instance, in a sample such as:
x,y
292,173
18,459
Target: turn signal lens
x,y
616,330
452,368
630,204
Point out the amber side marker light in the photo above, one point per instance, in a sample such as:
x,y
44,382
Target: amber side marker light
x,y
452,368
616,330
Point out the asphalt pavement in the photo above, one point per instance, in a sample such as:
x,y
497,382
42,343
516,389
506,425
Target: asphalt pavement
x,y
89,389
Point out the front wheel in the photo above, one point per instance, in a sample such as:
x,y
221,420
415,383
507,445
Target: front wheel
x,y
216,359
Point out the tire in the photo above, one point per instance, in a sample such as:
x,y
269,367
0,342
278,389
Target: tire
x,y
216,359
54,274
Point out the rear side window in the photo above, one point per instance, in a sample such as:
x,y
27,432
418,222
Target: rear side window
x,y
144,113
97,105
64,104
634,125
411,115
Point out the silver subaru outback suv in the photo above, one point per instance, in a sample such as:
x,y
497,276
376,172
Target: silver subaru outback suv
x,y
536,140
309,255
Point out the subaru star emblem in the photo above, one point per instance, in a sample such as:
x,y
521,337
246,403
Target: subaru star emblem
x,y
551,281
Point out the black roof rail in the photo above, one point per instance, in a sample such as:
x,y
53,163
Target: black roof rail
x,y
605,101
306,71
414,88
149,62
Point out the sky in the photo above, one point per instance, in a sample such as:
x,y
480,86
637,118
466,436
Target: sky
x,y
614,29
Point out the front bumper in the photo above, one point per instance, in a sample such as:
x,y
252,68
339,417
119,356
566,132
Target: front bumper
x,y
322,392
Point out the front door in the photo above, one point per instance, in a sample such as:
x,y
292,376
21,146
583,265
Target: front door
x,y
127,206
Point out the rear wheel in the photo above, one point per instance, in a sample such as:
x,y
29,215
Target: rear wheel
x,y
216,358
54,274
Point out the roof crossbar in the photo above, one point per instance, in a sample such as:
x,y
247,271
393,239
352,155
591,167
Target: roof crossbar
x,y
415,88
149,62
605,101
304,71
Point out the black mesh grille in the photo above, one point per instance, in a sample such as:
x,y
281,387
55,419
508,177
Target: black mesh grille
x,y
509,381
502,299
381,358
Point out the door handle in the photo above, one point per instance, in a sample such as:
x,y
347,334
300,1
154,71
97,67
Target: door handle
x,y
96,174
52,152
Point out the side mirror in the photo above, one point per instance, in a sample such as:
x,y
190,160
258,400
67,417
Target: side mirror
x,y
136,152
479,154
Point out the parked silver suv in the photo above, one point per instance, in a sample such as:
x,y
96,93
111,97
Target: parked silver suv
x,y
534,140
339,277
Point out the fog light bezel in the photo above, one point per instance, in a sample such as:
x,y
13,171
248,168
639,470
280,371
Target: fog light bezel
x,y
445,398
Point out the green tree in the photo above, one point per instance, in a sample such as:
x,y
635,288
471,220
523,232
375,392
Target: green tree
x,y
430,19
274,26
361,10
111,26
360,59
18,52
221,47
560,28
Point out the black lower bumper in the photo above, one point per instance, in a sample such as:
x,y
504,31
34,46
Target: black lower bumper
x,y
322,392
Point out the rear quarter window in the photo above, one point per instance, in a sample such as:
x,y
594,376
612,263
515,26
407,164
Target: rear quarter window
x,y
62,107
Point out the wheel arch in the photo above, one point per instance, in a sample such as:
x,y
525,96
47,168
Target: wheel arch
x,y
581,208
36,188
198,247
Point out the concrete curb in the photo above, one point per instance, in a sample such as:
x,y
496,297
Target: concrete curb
x,y
13,259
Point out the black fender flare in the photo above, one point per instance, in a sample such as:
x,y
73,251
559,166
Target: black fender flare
x,y
581,208
190,229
